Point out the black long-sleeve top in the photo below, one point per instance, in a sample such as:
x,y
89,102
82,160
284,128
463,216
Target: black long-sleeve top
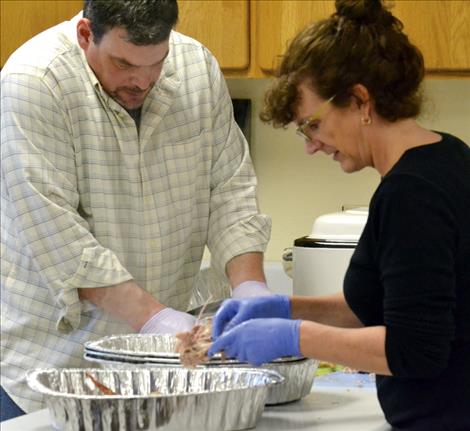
x,y
411,273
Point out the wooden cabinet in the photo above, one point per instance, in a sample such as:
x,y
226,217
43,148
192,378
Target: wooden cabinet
x,y
223,26
278,22
249,36
439,28
22,19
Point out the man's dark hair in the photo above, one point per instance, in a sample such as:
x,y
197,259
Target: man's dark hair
x,y
147,22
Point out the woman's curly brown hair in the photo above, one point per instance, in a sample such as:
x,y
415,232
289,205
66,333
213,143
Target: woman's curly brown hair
x,y
361,43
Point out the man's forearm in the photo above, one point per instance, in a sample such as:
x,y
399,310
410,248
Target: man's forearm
x,y
126,301
248,266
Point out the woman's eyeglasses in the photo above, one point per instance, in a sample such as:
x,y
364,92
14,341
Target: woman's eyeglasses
x,y
310,124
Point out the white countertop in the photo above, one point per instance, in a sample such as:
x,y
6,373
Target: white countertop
x,y
326,408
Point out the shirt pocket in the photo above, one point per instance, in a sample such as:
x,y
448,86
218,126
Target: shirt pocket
x,y
176,178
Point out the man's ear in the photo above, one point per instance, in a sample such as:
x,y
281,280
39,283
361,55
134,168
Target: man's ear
x,y
84,33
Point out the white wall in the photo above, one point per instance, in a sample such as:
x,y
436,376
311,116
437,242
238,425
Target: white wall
x,y
294,188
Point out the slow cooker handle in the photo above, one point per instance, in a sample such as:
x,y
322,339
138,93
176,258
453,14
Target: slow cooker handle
x,y
288,261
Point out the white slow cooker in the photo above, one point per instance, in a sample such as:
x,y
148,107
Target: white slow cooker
x,y
320,259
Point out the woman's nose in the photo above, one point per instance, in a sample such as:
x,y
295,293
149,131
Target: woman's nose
x,y
312,146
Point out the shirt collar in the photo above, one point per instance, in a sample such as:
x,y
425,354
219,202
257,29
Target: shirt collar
x,y
91,75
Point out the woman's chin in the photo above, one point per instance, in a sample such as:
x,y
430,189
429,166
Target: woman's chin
x,y
348,166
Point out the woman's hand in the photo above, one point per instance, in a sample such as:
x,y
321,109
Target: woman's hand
x,y
259,341
235,311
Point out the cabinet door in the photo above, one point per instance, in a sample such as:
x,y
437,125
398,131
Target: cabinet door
x,y
277,22
23,19
222,26
439,28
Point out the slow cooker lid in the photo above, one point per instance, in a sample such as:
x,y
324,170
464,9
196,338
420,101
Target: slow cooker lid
x,y
344,226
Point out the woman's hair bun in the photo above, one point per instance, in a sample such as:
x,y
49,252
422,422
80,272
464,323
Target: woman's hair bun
x,y
364,11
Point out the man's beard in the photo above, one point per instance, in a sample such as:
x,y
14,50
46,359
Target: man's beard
x,y
129,102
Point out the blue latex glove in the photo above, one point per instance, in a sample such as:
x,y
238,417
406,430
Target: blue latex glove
x,y
259,341
235,311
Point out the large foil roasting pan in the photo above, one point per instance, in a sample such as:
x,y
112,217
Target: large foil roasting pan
x,y
298,380
298,375
137,351
163,399
136,345
150,347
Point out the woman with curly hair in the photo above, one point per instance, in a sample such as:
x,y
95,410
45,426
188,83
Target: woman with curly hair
x,y
351,84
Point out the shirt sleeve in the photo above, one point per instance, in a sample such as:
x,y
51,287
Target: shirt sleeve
x,y
39,175
235,223
417,242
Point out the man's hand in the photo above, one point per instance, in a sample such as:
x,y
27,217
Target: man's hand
x,y
235,311
168,321
259,341
250,288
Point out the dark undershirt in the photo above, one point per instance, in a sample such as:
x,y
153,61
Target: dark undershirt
x,y
135,114
411,272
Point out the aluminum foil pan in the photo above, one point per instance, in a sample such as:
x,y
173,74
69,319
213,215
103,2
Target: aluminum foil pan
x,y
140,345
163,399
150,347
206,310
132,359
299,375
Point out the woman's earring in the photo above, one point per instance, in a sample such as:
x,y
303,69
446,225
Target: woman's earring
x,y
365,121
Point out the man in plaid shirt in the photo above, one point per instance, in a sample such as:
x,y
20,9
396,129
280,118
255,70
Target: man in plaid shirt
x,y
121,161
